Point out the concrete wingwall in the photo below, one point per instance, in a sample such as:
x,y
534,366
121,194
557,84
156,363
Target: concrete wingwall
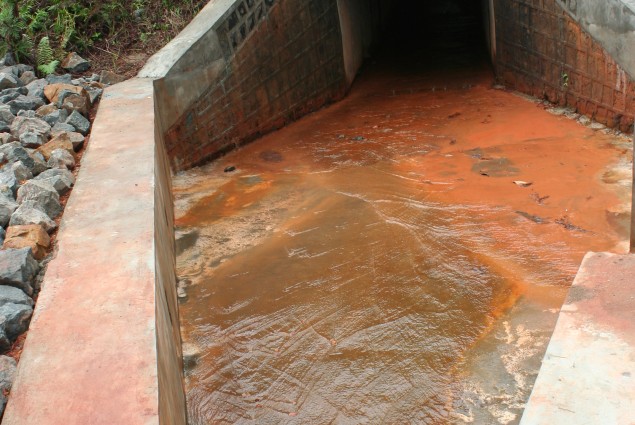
x,y
578,53
250,67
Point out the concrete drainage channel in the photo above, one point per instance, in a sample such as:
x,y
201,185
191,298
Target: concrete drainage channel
x,y
104,343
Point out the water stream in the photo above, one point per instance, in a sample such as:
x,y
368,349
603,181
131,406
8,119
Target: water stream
x,y
399,257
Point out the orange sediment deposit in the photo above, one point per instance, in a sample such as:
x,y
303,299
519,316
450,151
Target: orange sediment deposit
x,y
367,261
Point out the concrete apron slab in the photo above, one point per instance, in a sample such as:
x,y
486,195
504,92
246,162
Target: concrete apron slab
x,y
588,372
91,353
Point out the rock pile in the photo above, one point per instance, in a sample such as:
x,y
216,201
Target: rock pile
x,y
43,125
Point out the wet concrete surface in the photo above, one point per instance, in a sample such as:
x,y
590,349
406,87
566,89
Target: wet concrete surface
x,y
399,257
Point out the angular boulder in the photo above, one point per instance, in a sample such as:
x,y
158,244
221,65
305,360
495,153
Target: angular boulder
x,y
25,103
36,88
62,180
75,63
13,295
14,151
60,158
7,207
36,125
29,213
31,236
76,102
14,319
18,268
6,115
8,369
8,80
53,91
77,120
63,141
43,195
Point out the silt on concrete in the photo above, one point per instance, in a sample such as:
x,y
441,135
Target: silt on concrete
x,y
588,373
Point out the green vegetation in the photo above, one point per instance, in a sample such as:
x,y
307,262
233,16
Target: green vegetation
x,y
40,32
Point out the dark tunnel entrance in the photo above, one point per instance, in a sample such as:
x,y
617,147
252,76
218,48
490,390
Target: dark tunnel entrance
x,y
418,36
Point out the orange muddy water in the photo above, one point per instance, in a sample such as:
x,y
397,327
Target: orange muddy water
x,y
398,257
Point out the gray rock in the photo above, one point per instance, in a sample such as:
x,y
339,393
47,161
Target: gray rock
x,y
18,268
7,207
14,151
22,68
61,158
62,180
23,124
8,369
7,60
3,234
43,196
6,98
77,120
29,213
8,179
27,114
7,138
18,90
15,318
21,171
6,115
28,77
54,79
36,88
77,140
57,116
62,127
8,81
25,103
6,192
10,294
31,139
4,127
94,93
39,163
75,63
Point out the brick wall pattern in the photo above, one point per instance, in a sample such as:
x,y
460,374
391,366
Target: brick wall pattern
x,y
542,51
284,59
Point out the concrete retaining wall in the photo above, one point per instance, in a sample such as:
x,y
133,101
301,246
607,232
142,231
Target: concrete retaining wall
x,y
104,343
542,50
250,68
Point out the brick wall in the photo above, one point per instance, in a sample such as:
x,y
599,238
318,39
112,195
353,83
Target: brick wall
x,y
542,51
283,59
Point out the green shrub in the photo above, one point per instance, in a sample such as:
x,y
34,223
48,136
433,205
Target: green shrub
x,y
79,25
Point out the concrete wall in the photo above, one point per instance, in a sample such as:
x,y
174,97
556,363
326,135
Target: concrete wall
x,y
250,68
543,51
611,23
104,343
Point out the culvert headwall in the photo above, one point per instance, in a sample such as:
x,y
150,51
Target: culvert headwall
x,y
104,344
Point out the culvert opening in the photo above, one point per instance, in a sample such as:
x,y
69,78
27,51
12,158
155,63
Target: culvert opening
x,y
398,257
429,35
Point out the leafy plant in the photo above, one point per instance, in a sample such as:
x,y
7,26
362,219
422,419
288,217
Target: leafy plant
x,y
46,62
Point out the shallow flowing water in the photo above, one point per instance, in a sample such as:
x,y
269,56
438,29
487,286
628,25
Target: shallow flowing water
x,y
398,257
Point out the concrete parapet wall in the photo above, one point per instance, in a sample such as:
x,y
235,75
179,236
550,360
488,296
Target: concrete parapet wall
x,y
250,68
104,342
543,51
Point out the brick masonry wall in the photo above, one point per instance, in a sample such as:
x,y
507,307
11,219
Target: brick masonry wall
x,y
542,51
284,59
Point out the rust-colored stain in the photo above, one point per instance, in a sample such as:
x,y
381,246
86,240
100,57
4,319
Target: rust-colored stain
x,y
363,264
